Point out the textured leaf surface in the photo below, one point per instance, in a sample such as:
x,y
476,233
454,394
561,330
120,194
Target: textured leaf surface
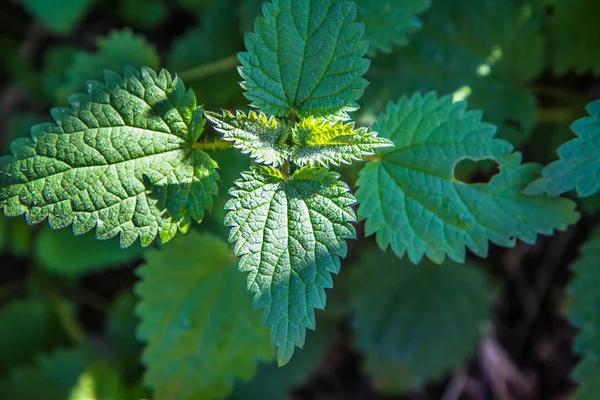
x,y
389,22
585,316
321,142
121,160
62,253
398,310
4,240
483,49
254,133
579,164
305,58
274,383
413,202
121,48
28,327
60,16
290,235
200,328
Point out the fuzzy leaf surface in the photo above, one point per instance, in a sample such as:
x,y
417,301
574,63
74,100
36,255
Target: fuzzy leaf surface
x,y
389,22
579,165
321,142
585,316
398,309
413,202
290,235
119,160
305,58
201,331
261,137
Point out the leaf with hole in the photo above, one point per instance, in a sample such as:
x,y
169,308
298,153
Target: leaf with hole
x,y
412,201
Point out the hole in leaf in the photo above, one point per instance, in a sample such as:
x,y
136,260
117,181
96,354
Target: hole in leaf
x,y
471,171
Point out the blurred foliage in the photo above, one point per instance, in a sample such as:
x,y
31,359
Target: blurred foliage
x,y
67,307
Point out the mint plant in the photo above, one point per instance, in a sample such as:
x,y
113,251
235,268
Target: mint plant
x,y
140,160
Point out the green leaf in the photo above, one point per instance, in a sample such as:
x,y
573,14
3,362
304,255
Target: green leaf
x,y
29,327
121,160
263,138
274,383
414,203
579,164
321,142
60,16
63,374
483,50
200,328
572,32
290,235
121,48
62,253
389,22
305,58
585,316
398,309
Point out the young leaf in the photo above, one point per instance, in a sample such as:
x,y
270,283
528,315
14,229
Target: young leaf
x,y
290,234
255,133
201,331
62,253
585,316
389,22
320,142
398,309
579,164
414,203
121,48
121,160
483,50
305,58
59,16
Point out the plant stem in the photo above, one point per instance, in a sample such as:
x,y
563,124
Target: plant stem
x,y
221,144
212,68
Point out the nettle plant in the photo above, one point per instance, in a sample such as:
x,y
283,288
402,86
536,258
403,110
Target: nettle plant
x,y
132,159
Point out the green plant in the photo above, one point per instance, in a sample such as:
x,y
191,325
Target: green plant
x,y
135,159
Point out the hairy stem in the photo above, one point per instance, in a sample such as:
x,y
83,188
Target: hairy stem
x,y
212,68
